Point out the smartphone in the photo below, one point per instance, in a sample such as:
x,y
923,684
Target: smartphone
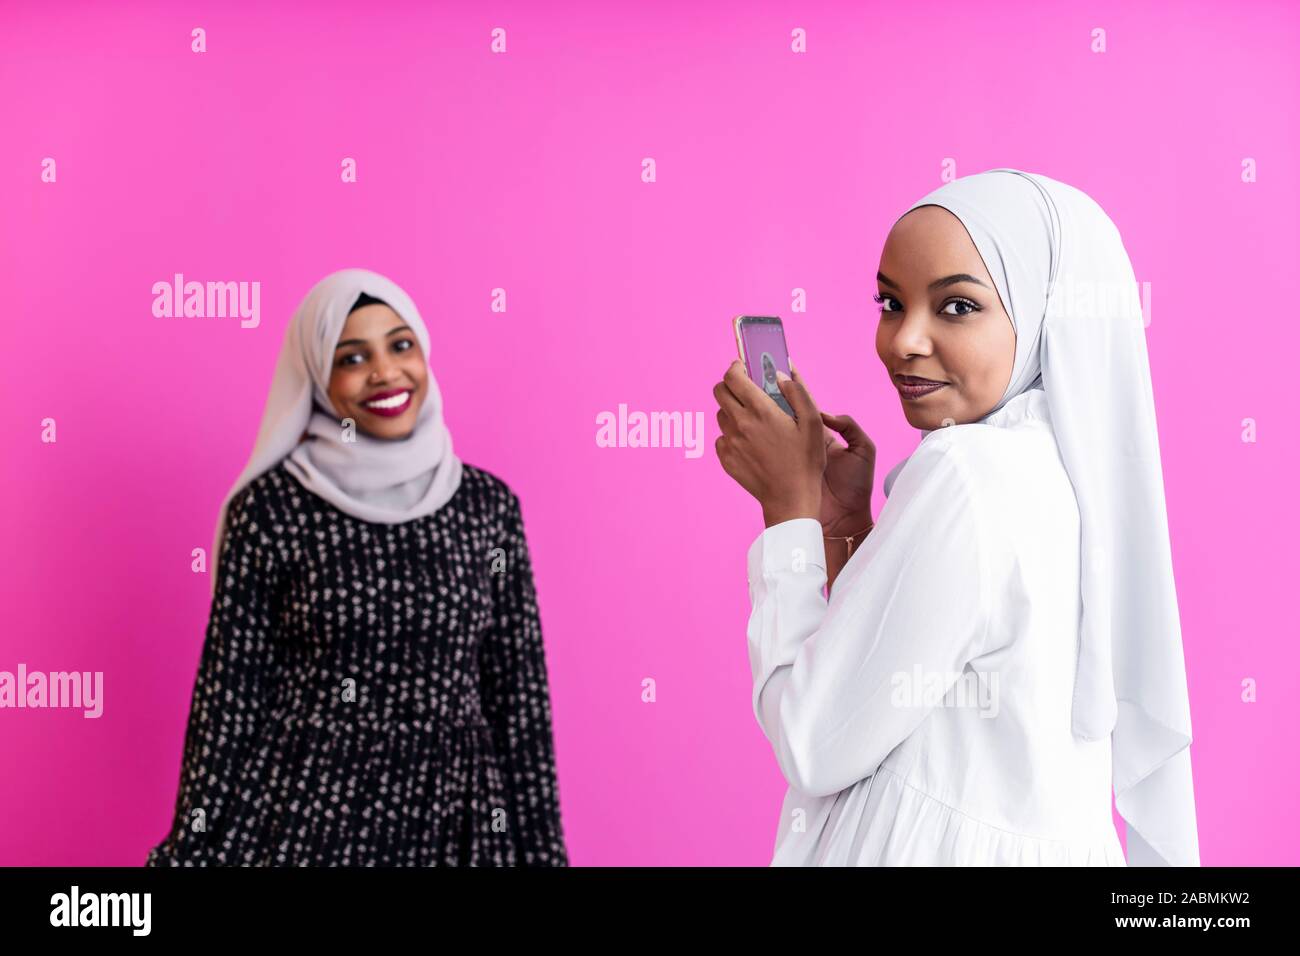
x,y
761,341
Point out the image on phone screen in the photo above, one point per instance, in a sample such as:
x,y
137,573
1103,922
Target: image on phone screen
x,y
762,343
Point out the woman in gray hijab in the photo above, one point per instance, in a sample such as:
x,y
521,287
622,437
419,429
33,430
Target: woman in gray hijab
x,y
372,689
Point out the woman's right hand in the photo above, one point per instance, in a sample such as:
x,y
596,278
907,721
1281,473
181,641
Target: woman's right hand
x,y
846,483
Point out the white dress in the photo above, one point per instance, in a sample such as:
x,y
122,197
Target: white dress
x,y
922,717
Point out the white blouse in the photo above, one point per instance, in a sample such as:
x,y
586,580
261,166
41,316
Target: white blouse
x,y
922,717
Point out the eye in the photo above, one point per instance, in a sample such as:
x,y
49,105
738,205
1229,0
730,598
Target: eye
x,y
972,307
347,359
403,345
881,300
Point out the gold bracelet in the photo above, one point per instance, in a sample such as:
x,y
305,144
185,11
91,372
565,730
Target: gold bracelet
x,y
848,541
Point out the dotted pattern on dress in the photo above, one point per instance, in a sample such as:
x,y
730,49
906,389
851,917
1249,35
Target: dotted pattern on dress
x,y
369,694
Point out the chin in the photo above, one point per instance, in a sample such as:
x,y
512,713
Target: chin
x,y
391,429
396,431
923,421
915,417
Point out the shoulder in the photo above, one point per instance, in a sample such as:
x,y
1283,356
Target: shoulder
x,y
990,459
1010,482
274,492
485,493
485,486
938,468
957,481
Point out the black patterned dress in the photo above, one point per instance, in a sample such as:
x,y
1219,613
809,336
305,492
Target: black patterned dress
x,y
369,694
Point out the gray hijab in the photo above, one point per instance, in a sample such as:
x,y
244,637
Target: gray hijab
x,y
374,479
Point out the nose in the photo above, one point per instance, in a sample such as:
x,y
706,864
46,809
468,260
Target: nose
x,y
912,335
383,370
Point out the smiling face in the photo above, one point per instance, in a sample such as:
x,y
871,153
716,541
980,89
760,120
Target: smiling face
x,y
379,359
941,319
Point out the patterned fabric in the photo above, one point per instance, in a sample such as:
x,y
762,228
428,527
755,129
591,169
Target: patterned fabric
x,y
368,694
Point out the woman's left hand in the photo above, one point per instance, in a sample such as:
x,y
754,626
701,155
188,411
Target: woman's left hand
x,y
777,459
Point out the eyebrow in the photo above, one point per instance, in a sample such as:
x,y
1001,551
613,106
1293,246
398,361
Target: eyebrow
x,y
400,328
937,283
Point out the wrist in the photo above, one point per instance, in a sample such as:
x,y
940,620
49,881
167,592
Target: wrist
x,y
848,525
849,532
777,512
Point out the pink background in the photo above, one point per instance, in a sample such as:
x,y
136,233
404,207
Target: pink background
x,y
522,170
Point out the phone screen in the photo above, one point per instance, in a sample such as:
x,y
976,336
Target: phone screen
x,y
762,342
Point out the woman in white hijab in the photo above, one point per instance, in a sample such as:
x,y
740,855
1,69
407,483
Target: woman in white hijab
x,y
372,689
1002,646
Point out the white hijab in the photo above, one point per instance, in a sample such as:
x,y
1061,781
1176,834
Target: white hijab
x,y
1066,281
374,479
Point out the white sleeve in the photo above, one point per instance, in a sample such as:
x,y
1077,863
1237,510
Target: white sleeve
x,y
836,686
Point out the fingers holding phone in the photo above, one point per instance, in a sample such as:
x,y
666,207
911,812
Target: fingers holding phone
x,y
777,458
760,340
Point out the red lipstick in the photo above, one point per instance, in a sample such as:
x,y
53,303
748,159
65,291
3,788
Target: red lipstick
x,y
389,404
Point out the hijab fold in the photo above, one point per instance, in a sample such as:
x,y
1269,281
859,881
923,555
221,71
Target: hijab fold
x,y
1066,281
386,481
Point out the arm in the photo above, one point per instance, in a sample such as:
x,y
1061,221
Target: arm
x,y
831,681
516,702
235,672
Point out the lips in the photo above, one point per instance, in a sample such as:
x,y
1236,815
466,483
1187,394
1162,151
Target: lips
x,y
914,386
918,380
390,403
